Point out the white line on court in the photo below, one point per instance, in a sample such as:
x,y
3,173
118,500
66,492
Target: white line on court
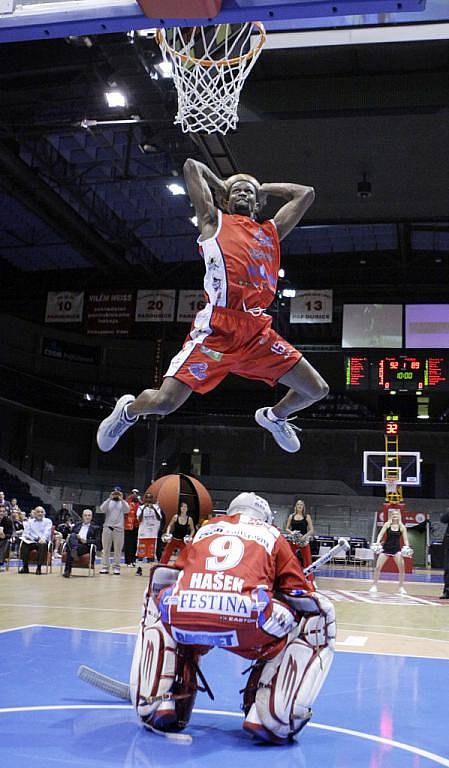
x,y
70,607
439,759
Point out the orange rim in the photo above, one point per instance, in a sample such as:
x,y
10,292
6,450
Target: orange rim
x,y
162,42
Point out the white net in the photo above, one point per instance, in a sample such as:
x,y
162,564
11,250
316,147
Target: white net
x,y
391,487
209,68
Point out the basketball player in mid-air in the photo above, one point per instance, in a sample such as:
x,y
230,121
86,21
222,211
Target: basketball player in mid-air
x,y
233,334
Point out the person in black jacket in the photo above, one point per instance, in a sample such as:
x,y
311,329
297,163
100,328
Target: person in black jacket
x,y
5,535
80,540
444,518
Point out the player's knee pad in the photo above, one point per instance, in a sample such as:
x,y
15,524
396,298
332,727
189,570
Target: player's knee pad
x,y
280,693
163,682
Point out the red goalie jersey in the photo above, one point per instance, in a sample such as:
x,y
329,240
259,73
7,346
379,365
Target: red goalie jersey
x,y
225,593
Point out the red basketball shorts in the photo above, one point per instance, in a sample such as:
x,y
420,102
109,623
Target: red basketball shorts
x,y
232,341
146,548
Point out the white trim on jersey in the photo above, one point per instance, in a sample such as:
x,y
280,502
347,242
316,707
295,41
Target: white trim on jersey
x,y
215,280
217,231
200,331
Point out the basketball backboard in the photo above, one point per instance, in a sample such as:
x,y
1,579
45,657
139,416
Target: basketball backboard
x,y
34,19
404,467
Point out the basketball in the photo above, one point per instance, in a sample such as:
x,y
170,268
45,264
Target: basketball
x,y
170,491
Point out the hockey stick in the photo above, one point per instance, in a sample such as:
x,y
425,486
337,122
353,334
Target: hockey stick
x,y
104,683
342,546
121,691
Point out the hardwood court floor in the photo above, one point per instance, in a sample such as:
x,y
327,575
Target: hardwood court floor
x,y
416,624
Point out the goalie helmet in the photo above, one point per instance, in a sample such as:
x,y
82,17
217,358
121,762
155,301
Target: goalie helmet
x,y
254,505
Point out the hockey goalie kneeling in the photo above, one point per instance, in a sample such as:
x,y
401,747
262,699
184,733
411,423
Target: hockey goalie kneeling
x,y
239,587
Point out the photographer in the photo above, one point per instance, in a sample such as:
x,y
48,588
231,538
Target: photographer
x,y
114,509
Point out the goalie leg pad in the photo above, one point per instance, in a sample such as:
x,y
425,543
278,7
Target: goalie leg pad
x,y
153,669
289,684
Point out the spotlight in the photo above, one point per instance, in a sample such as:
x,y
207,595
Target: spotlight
x,y
364,188
281,272
176,189
164,68
196,450
147,148
115,99
289,293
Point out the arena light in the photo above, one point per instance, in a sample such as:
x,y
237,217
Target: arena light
x,y
115,99
281,272
164,68
289,293
194,220
196,450
176,189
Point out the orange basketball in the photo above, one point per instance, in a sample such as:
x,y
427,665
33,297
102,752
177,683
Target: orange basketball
x,y
172,490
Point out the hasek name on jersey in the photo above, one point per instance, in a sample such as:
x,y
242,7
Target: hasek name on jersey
x,y
216,581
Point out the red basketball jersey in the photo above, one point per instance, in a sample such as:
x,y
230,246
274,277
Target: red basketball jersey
x,y
242,263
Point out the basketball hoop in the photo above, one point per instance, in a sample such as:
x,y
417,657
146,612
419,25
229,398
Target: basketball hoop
x,y
209,68
391,487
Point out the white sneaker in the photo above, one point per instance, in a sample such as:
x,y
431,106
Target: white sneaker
x,y
114,426
373,590
401,591
282,430
104,570
116,571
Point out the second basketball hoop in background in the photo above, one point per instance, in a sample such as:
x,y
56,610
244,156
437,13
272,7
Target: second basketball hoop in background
x,y
210,66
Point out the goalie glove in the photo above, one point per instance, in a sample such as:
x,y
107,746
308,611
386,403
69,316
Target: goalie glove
x,y
406,551
377,548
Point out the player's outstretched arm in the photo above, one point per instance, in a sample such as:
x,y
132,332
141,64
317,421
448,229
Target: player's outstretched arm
x,y
200,180
299,198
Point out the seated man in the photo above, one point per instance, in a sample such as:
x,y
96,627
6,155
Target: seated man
x,y
239,587
36,536
80,540
6,532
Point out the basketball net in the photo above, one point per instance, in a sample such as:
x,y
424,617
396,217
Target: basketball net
x,y
209,68
393,491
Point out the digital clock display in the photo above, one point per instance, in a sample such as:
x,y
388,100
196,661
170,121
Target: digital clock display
x,y
397,373
407,372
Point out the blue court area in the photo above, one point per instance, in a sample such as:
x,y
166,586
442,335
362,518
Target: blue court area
x,y
375,711
420,576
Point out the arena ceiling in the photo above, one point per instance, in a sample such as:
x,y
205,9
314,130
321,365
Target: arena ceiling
x,y
84,188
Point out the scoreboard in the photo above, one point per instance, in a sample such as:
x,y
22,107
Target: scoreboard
x,y
412,373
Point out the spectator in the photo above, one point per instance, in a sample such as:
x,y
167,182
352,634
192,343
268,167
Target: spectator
x,y
63,530
80,540
180,531
17,518
131,526
300,522
5,503
36,536
149,516
114,509
445,519
61,516
6,531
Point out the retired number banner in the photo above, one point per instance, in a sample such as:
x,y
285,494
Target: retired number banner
x,y
189,303
311,307
109,314
155,306
64,307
